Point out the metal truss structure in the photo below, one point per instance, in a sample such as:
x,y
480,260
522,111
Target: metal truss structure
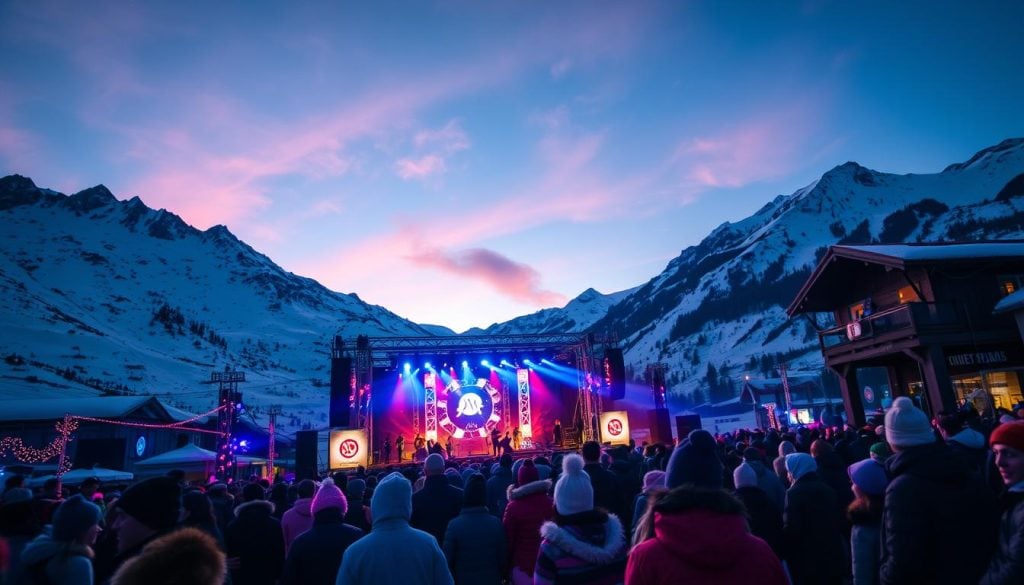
x,y
373,352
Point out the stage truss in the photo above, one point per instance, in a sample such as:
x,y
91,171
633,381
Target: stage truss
x,y
373,352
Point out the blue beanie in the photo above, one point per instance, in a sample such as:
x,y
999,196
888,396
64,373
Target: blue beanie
x,y
73,517
392,498
695,462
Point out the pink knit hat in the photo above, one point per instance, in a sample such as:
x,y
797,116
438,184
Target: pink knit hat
x,y
328,496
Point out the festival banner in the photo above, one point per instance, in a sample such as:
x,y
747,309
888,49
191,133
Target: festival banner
x,y
615,427
347,449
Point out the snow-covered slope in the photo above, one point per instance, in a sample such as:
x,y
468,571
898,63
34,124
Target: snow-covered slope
x,y
720,303
578,315
102,295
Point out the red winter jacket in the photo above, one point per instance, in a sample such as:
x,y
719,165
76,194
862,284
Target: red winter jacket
x,y
702,547
529,506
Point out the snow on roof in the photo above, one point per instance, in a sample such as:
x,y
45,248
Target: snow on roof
x,y
936,252
1011,302
40,409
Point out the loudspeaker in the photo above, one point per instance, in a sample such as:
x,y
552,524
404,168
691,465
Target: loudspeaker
x,y
341,391
660,425
686,423
615,373
306,444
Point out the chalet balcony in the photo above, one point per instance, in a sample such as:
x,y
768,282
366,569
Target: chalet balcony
x,y
899,322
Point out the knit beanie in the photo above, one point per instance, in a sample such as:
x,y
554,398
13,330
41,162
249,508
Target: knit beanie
x,y
906,425
356,489
527,473
880,451
786,447
453,477
695,462
328,496
516,467
392,498
573,492
654,479
433,465
475,494
1009,434
800,464
744,476
869,476
155,502
253,491
73,517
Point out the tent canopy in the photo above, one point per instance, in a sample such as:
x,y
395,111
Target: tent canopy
x,y
77,476
190,453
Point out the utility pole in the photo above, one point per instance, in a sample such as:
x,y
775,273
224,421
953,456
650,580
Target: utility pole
x,y
228,399
271,453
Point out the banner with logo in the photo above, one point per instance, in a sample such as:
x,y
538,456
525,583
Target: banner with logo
x,y
348,449
615,427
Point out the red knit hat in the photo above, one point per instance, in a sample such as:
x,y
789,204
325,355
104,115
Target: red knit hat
x,y
328,496
1009,434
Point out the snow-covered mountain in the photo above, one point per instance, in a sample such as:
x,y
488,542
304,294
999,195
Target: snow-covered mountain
x,y
721,303
578,315
102,295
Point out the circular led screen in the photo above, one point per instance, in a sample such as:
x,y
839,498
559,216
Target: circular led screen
x,y
468,407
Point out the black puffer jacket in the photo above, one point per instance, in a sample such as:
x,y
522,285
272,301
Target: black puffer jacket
x,y
813,543
1007,566
939,522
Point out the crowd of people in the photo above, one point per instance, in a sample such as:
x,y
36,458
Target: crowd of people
x,y
905,500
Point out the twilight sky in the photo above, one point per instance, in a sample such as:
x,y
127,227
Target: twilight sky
x,y
464,162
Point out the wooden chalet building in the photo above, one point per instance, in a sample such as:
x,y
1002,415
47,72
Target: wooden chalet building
x,y
920,318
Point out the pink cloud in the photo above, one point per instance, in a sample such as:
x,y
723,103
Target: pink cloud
x,y
513,279
449,138
420,168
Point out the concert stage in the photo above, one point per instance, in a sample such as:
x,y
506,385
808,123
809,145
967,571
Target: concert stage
x,y
464,389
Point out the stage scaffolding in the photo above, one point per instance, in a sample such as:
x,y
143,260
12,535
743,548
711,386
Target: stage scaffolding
x,y
371,352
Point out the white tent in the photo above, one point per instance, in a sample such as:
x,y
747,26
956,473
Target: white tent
x,y
77,476
191,458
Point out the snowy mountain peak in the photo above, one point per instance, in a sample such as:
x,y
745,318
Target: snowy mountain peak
x,y
90,199
992,153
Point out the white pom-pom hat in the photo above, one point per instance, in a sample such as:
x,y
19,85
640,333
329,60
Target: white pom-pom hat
x,y
573,492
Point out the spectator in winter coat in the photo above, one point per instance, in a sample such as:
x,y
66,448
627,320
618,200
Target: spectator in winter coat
x,y
255,541
767,480
299,518
765,519
145,512
199,514
779,463
358,514
699,536
394,553
832,471
810,525
582,545
64,555
962,440
316,554
223,505
474,542
188,555
1007,565
865,515
653,480
608,494
695,462
529,507
434,506
939,521
19,525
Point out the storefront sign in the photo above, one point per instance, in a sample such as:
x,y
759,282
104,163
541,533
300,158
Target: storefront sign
x,y
347,449
615,427
983,357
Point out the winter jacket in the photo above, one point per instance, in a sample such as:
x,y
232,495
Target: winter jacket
x,y
474,545
865,545
939,522
46,560
358,515
813,543
315,556
223,509
832,471
1007,565
529,506
969,444
497,494
702,547
255,538
770,484
434,506
607,492
588,548
296,521
764,518
394,553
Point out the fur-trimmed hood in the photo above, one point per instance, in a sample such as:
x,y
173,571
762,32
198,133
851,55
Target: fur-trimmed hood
x,y
541,486
255,504
188,555
565,539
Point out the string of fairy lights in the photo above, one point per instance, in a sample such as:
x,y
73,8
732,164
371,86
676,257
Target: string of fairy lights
x,y
66,427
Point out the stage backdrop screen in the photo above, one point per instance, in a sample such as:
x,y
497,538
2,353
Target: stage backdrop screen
x,y
348,449
615,427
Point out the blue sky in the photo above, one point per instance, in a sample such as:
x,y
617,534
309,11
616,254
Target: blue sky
x,y
462,163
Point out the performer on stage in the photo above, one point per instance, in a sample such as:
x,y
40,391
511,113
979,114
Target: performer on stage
x,y
557,433
448,446
516,435
495,438
505,444
387,449
400,447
